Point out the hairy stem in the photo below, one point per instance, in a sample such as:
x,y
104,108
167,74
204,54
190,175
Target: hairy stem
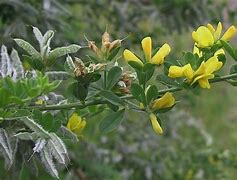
x,y
97,102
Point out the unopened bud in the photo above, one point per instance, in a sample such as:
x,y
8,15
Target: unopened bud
x,y
92,45
105,38
115,44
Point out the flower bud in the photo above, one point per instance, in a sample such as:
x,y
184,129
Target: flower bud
x,y
92,45
115,44
105,38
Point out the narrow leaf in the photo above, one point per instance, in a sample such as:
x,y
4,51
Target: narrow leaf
x,y
6,148
111,122
111,97
28,48
47,161
113,76
18,70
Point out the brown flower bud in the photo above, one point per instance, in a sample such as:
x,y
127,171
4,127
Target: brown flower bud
x,y
80,68
92,45
105,38
115,44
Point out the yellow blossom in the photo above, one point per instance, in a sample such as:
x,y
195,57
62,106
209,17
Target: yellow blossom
x,y
202,74
229,34
203,37
76,124
155,124
206,36
146,43
129,56
166,101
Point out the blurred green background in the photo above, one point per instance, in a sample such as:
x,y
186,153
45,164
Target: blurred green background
x,y
200,139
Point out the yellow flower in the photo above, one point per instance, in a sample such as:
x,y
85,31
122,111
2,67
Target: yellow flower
x,y
166,101
203,37
206,36
146,43
76,124
202,74
229,34
129,56
205,72
155,124
176,72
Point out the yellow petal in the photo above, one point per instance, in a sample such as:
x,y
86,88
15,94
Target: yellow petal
x,y
220,51
188,72
218,31
211,28
195,36
196,50
199,73
129,56
212,65
158,58
229,33
147,47
73,121
79,128
166,101
175,71
203,37
155,124
204,83
200,70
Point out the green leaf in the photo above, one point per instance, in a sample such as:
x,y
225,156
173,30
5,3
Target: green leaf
x,y
135,65
148,67
28,48
138,93
166,80
36,64
79,90
113,77
35,127
20,113
38,35
69,66
222,58
111,97
95,77
47,38
61,51
111,122
4,97
113,53
93,59
152,93
141,77
229,49
190,58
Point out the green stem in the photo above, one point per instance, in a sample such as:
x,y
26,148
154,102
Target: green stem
x,y
97,102
105,79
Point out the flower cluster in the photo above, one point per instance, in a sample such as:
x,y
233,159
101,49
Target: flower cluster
x,y
206,36
202,74
157,59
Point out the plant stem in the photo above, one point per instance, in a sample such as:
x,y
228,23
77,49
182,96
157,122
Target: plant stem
x,y
96,102
105,79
